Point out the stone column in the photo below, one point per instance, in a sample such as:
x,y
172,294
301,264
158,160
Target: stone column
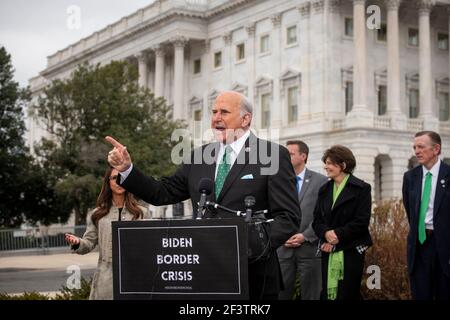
x,y
227,60
178,79
250,47
360,64
393,89
425,77
398,119
365,168
317,61
159,70
333,73
399,166
305,111
276,105
360,116
142,58
206,73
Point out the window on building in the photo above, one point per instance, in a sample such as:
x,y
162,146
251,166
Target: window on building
x,y
198,115
348,25
442,41
197,66
291,35
382,100
413,37
178,209
378,179
348,96
240,52
382,32
292,104
264,44
443,106
413,103
265,109
218,59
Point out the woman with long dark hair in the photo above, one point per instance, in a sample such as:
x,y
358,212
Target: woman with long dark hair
x,y
114,203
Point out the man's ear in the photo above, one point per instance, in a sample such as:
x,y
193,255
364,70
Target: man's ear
x,y
438,148
246,119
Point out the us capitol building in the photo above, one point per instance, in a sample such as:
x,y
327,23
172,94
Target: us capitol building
x,y
314,70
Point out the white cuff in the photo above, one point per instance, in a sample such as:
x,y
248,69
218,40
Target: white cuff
x,y
124,175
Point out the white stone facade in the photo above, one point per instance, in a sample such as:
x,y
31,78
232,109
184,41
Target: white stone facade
x,y
314,55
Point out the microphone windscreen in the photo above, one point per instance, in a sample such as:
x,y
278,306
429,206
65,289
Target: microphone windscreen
x,y
205,186
249,201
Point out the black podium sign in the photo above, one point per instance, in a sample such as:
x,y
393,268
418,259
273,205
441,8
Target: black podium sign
x,y
180,259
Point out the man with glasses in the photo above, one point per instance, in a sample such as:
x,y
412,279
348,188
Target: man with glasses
x,y
426,196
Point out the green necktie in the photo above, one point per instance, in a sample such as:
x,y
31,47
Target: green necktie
x,y
424,206
222,172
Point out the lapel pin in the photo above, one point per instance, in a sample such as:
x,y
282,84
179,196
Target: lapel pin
x,y
307,180
247,149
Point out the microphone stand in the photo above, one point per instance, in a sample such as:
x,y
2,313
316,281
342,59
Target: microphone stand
x,y
201,207
238,213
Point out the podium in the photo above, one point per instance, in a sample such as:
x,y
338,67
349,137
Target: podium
x,y
180,259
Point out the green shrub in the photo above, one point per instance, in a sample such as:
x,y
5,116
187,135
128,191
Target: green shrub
x,y
25,296
76,294
66,293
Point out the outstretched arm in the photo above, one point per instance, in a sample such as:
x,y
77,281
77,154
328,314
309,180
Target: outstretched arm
x,y
168,190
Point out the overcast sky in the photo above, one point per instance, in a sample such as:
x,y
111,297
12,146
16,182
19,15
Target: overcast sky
x,y
31,30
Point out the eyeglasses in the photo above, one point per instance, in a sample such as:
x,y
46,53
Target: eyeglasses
x,y
113,177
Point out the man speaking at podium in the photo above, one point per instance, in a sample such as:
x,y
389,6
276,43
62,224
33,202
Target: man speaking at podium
x,y
240,165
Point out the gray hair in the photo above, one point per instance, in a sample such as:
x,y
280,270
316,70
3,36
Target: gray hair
x,y
246,105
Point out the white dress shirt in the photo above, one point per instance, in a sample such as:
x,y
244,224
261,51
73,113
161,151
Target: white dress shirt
x,y
236,146
434,177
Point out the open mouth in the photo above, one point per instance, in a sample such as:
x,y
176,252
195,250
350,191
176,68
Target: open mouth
x,y
220,128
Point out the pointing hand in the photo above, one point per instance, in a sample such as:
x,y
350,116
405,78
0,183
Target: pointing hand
x,y
118,157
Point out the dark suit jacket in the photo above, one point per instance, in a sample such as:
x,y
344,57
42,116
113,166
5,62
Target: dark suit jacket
x,y
350,216
307,199
274,190
412,194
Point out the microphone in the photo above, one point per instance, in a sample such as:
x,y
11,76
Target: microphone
x,y
249,202
205,187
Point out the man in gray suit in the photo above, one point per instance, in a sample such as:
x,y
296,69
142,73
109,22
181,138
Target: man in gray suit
x,y
298,254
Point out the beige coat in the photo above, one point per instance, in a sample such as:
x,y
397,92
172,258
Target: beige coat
x,y
102,283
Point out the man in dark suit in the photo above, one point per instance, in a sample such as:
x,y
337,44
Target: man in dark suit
x,y
298,255
240,165
426,196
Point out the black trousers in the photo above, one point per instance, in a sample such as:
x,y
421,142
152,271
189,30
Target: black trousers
x,y
428,281
350,287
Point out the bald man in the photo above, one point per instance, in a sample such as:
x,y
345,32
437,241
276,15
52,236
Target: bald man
x,y
240,165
